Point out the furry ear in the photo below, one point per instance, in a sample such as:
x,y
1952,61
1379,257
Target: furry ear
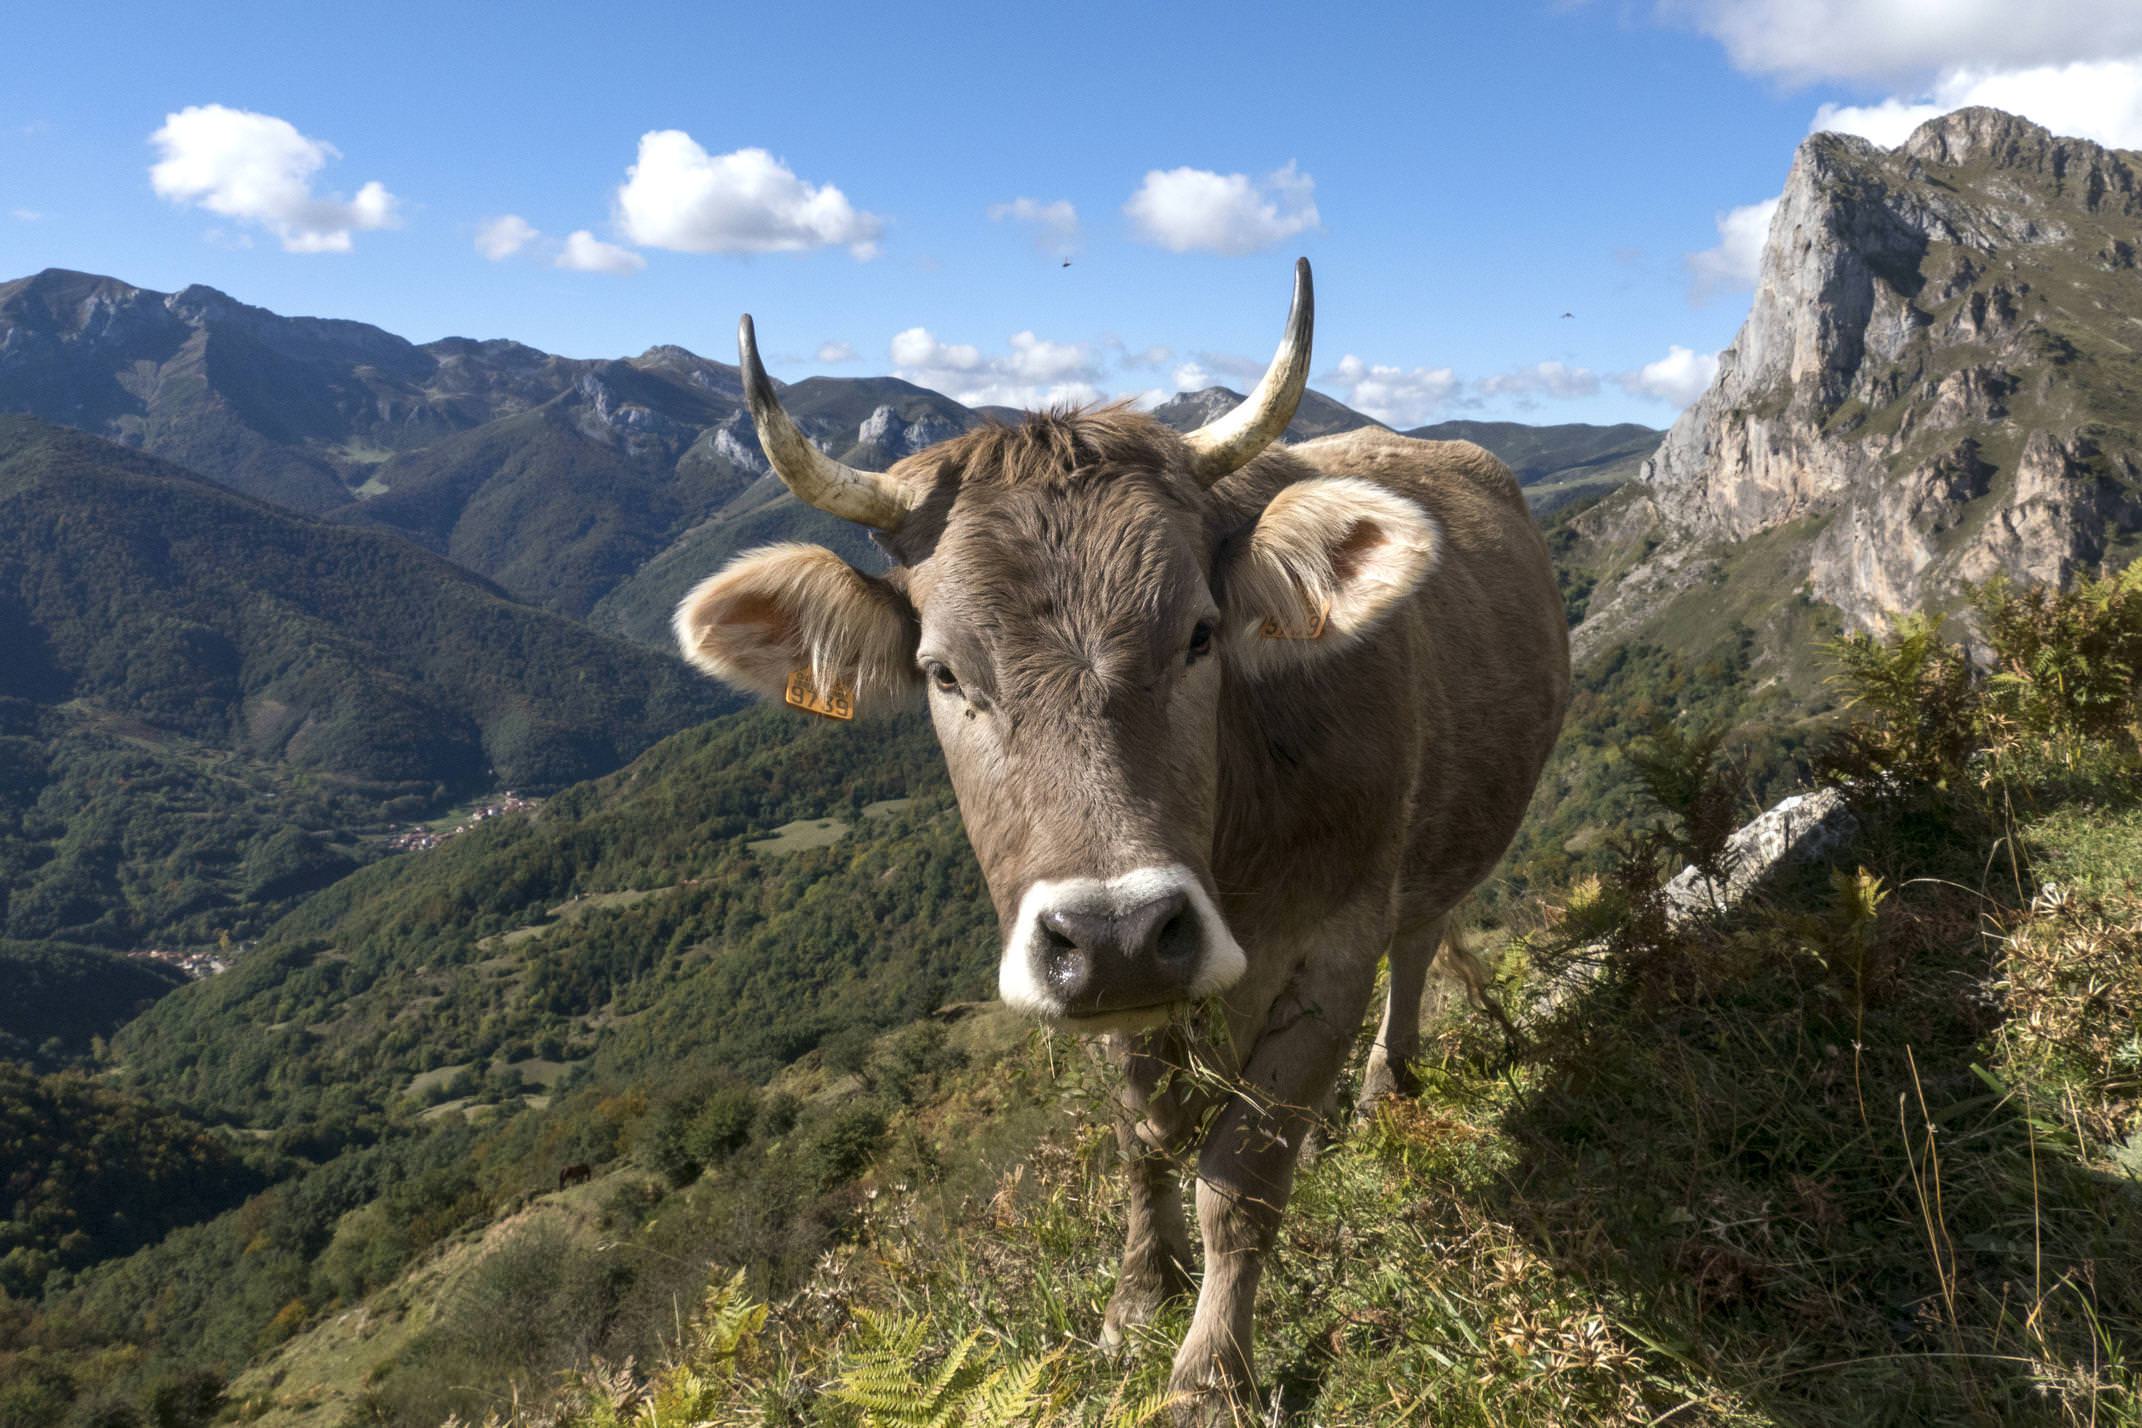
x,y
791,608
1326,561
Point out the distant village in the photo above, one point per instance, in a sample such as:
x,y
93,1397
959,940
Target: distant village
x,y
421,837
195,964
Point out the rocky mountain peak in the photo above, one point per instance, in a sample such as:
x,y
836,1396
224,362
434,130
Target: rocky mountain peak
x,y
198,302
886,431
1188,411
1934,372
61,303
686,365
2088,172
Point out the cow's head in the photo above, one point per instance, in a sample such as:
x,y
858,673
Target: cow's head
x,y
1075,602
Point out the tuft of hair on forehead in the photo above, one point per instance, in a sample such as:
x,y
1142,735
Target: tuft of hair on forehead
x,y
1047,446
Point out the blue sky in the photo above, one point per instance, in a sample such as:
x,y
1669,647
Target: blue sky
x,y
1459,175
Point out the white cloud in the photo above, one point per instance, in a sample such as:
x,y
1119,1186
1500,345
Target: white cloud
x,y
501,237
1552,379
1041,360
25,215
1188,210
1910,41
833,353
257,168
1034,372
585,253
1679,377
1190,377
679,196
1732,264
1399,396
916,347
1055,224
2090,99
1234,369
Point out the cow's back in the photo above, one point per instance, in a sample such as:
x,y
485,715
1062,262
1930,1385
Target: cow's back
x,y
1490,620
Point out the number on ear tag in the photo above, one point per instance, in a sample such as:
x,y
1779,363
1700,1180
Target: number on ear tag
x,y
1314,630
834,702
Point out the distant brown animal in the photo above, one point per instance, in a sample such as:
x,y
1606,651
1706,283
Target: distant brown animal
x,y
577,1174
1227,722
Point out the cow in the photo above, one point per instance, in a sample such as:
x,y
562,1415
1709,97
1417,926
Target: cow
x,y
1228,723
578,1173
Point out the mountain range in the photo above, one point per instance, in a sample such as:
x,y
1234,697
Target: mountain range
x,y
597,488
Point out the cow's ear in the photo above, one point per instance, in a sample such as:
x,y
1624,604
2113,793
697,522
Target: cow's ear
x,y
800,610
1326,561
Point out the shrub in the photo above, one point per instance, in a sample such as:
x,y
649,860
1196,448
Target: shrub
x,y
840,1143
721,1126
2062,686
2067,664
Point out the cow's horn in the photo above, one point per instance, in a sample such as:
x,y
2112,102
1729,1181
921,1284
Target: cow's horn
x,y
865,497
1225,445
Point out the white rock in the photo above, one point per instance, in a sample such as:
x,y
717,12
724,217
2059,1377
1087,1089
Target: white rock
x,y
1800,829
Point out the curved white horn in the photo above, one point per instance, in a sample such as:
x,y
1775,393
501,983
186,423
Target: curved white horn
x,y
1227,444
865,497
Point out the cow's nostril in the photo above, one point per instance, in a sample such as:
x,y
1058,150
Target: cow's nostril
x,y
1178,940
1068,970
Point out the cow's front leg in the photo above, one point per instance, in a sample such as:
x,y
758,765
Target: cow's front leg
x,y
1246,1170
1151,1131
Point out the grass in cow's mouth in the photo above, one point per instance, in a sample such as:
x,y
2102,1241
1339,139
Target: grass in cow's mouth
x,y
1143,1018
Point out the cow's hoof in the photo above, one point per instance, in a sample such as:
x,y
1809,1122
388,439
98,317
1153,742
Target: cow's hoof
x,y
1136,1301
1212,1406
1381,1081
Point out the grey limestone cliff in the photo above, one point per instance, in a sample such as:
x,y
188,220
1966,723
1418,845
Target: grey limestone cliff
x,y
1940,374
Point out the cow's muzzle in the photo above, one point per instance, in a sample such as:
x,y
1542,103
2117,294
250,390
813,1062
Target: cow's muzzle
x,y
1090,950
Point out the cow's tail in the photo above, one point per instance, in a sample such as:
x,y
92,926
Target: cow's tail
x,y
1456,960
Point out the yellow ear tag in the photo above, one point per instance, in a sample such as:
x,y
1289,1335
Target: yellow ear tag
x,y
836,702
1314,630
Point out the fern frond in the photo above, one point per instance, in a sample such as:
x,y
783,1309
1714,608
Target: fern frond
x,y
946,1381
1141,1411
1011,1395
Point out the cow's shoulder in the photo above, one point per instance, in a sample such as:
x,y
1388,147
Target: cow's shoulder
x,y
1407,461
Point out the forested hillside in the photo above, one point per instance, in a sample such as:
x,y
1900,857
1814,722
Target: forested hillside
x,y
91,1173
631,919
61,999
207,699
434,1037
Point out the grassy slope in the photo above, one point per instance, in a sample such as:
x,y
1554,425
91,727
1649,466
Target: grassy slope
x,y
1733,1184
1861,1152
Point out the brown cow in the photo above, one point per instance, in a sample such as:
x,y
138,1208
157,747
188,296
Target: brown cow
x,y
1227,723
578,1173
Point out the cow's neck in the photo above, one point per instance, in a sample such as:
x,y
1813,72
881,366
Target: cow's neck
x,y
1317,773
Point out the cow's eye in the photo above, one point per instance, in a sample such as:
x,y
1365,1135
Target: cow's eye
x,y
942,677
1200,642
